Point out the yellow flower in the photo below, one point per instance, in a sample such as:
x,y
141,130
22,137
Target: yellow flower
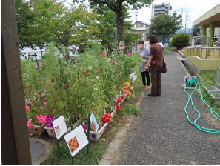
x,y
132,88
127,84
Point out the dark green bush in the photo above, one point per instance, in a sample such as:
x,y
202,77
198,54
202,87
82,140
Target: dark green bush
x,y
180,40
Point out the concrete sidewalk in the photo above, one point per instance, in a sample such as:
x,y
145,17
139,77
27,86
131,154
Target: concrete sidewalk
x,y
162,134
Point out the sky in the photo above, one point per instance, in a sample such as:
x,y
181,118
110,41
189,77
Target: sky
x,y
194,9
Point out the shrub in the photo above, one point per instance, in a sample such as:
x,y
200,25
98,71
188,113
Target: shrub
x,y
180,40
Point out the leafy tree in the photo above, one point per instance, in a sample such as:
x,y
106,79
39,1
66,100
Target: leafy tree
x,y
37,21
107,26
40,22
108,22
78,26
25,18
165,25
49,14
196,30
117,7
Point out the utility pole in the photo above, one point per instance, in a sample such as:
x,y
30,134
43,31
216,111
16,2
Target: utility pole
x,y
136,13
186,21
182,20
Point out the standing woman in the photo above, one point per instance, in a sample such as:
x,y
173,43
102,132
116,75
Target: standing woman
x,y
144,55
155,62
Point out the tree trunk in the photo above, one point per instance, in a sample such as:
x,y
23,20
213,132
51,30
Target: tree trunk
x,y
163,38
120,24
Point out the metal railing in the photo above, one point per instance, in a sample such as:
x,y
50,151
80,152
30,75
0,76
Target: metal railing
x,y
203,41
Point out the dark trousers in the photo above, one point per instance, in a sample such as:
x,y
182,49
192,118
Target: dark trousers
x,y
156,81
143,74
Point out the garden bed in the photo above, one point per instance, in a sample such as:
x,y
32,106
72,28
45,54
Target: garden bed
x,y
74,90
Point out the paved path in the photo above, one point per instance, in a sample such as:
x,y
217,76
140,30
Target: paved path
x,y
162,135
37,150
40,150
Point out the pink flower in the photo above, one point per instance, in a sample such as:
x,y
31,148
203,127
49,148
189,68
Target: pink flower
x,y
74,48
45,105
101,52
42,119
116,60
115,63
36,66
29,124
108,59
27,108
128,54
102,55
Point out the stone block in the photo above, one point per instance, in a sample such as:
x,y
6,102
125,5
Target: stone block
x,y
204,64
185,51
203,54
217,53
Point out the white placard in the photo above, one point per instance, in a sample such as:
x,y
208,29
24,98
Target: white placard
x,y
134,76
76,140
59,127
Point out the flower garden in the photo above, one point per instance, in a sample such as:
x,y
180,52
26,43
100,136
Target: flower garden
x,y
97,84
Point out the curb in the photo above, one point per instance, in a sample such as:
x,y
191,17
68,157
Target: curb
x,y
46,154
111,155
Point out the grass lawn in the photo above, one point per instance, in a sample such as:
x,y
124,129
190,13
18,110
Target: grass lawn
x,y
209,79
168,49
97,149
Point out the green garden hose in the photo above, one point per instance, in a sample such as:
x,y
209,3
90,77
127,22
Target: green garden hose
x,y
192,83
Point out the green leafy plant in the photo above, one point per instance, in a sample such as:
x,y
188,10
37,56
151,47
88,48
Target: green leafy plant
x,y
132,109
62,87
180,40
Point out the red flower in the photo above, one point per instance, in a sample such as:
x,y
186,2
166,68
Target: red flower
x,y
122,96
118,107
56,88
52,80
102,55
106,118
101,52
119,100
